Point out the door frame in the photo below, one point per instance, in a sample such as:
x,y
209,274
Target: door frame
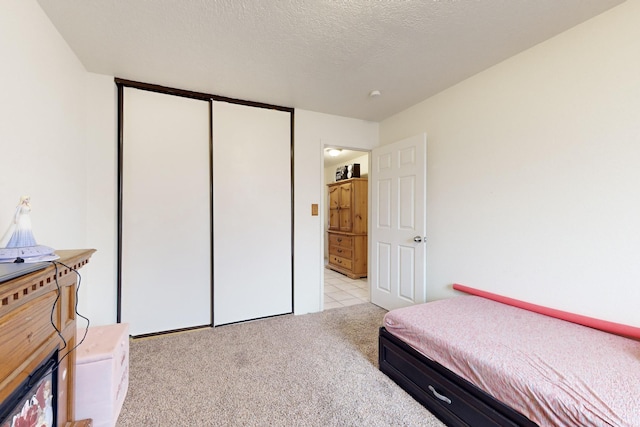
x,y
323,211
323,208
120,85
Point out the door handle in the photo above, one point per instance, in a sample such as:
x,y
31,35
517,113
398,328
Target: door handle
x,y
417,239
439,396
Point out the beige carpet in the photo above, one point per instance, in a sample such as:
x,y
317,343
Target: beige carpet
x,y
317,369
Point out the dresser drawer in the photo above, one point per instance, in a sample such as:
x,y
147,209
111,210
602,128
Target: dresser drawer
x,y
26,334
341,252
341,262
340,240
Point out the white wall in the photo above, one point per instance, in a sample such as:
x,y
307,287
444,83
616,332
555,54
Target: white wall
x,y
314,131
100,297
531,182
42,127
57,134
534,172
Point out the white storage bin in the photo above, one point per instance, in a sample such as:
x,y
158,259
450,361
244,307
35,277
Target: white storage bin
x,y
102,374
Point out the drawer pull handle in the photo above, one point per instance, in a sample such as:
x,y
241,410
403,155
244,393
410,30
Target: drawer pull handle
x,y
339,240
339,251
439,396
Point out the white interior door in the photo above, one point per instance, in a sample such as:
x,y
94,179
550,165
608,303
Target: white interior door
x,y
398,242
166,236
251,213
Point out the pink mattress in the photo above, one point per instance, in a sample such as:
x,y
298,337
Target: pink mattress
x,y
554,372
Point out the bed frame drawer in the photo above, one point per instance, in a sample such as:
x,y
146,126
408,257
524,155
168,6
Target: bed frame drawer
x,y
452,399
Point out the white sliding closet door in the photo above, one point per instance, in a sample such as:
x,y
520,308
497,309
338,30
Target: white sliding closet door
x,y
166,236
252,212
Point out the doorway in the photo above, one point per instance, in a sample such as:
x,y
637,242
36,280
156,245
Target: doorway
x,y
340,290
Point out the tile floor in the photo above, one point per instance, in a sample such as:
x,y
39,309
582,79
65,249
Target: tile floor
x,y
341,291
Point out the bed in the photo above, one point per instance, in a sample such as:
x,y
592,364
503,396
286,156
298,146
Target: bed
x,y
476,362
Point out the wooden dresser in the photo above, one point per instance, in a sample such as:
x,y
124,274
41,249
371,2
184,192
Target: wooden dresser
x,y
28,305
348,202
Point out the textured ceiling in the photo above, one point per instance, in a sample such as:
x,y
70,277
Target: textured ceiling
x,y
319,55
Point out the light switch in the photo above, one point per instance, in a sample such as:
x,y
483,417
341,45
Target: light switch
x,y
314,209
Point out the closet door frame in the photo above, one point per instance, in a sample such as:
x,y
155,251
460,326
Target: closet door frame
x,y
210,98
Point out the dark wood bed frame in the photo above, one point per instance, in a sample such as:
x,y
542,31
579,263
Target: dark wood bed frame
x,y
454,400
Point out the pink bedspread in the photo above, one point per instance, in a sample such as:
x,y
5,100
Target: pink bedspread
x,y
554,372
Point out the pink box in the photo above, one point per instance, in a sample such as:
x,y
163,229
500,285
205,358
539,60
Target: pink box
x,y
102,374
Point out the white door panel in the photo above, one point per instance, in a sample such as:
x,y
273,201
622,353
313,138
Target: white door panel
x,y
398,267
166,236
251,213
382,264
